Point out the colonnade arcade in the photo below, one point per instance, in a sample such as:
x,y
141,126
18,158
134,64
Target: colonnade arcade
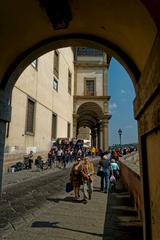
x,y
93,116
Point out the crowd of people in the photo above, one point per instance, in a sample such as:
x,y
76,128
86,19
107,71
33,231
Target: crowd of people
x,y
82,173
109,170
61,153
83,166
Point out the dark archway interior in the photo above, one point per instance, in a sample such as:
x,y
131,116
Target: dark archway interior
x,y
89,115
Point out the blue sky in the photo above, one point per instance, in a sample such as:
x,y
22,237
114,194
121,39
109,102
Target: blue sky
x,y
122,93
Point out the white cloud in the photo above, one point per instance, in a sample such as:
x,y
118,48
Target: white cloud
x,y
123,91
129,127
112,106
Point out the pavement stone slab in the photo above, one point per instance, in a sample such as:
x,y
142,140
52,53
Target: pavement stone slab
x,y
47,212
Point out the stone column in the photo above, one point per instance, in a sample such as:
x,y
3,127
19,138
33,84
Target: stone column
x,y
101,136
105,87
96,138
92,138
5,116
105,134
74,125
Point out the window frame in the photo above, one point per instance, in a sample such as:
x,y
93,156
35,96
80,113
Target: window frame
x,y
68,130
86,93
54,137
35,65
55,80
69,82
28,132
56,64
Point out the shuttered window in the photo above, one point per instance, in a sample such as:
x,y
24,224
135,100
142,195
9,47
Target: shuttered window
x,y
56,64
68,130
54,126
69,82
30,116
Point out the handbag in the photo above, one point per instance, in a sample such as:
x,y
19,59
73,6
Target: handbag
x,y
69,187
100,172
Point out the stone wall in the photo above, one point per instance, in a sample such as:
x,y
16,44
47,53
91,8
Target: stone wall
x,y
130,174
12,158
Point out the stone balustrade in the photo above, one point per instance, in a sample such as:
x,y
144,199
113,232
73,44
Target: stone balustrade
x,y
130,174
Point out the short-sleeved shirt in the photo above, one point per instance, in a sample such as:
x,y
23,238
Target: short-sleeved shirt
x,y
114,166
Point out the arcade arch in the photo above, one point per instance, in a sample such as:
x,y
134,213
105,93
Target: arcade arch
x,y
94,116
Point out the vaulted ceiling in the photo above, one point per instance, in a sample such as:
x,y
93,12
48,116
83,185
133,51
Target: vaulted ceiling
x,y
30,28
89,115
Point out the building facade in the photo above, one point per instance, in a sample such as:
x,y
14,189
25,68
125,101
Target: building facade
x,y
42,103
62,94
90,116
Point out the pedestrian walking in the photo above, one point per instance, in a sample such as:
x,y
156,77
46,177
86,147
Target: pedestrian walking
x,y
66,158
76,177
112,182
93,151
104,163
114,169
59,157
30,159
87,178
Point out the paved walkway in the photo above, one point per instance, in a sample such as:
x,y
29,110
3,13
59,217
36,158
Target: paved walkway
x,y
10,179
105,217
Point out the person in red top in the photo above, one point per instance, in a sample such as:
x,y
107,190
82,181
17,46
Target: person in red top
x,y
97,151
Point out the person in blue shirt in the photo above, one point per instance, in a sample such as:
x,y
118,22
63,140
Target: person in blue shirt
x,y
115,169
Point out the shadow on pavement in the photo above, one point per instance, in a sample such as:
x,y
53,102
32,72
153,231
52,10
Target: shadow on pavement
x,y
121,222
66,199
46,224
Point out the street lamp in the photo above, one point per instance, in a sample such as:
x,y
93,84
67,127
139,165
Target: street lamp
x,y
120,134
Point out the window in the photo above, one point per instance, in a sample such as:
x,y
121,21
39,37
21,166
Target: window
x,y
30,117
8,123
55,84
90,87
68,130
35,64
7,129
56,64
89,52
69,82
54,126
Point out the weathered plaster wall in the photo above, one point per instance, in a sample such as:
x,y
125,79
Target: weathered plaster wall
x,y
147,112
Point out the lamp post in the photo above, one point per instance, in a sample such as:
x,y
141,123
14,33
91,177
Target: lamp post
x,y
120,134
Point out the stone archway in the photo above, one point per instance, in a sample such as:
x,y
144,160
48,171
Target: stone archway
x,y
90,114
125,29
94,116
